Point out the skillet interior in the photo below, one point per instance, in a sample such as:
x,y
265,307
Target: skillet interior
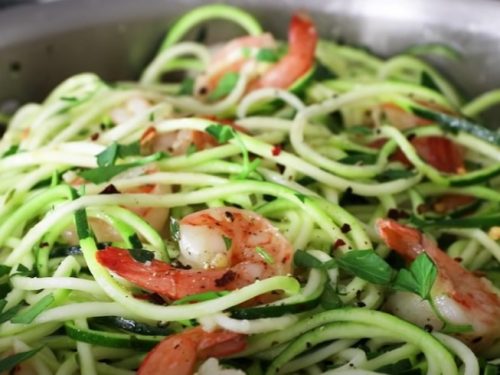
x,y
40,45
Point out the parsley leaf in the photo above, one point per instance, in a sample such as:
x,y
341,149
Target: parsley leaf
x,y
108,156
222,133
4,270
81,222
22,270
419,278
359,158
134,240
427,81
267,55
228,242
7,315
225,85
141,255
175,229
27,316
456,328
200,297
8,363
359,130
11,151
102,174
268,258
394,174
191,149
187,87
132,149
302,258
301,197
368,265
329,298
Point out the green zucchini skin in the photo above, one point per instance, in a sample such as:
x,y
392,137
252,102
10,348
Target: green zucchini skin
x,y
133,326
458,124
273,311
112,339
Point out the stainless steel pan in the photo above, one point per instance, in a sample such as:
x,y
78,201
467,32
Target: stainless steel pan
x,y
40,45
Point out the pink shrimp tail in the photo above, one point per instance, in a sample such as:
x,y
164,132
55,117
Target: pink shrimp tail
x,y
406,241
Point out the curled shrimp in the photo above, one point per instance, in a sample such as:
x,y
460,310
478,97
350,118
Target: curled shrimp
x,y
156,217
227,248
458,296
178,354
177,142
302,39
231,58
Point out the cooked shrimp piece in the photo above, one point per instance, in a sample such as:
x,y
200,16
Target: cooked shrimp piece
x,y
177,142
440,152
403,119
302,40
156,217
129,109
227,248
459,296
179,354
231,58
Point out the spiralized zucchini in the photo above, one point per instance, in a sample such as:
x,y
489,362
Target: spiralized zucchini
x,y
100,167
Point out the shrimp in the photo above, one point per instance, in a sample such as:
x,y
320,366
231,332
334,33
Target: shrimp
x,y
231,58
131,107
458,296
257,250
302,40
156,217
403,119
439,152
177,142
179,354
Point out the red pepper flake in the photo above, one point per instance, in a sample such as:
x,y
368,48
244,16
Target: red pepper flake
x,y
148,135
396,214
276,150
338,243
153,298
110,189
227,278
345,228
94,137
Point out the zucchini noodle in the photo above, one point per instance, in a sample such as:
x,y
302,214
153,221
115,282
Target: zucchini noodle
x,y
239,210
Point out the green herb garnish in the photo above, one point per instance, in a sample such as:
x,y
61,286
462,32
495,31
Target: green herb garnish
x,y
102,174
419,278
330,299
367,265
228,242
187,87
225,85
200,297
222,133
114,151
27,316
268,258
142,255
10,362
267,55
175,229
